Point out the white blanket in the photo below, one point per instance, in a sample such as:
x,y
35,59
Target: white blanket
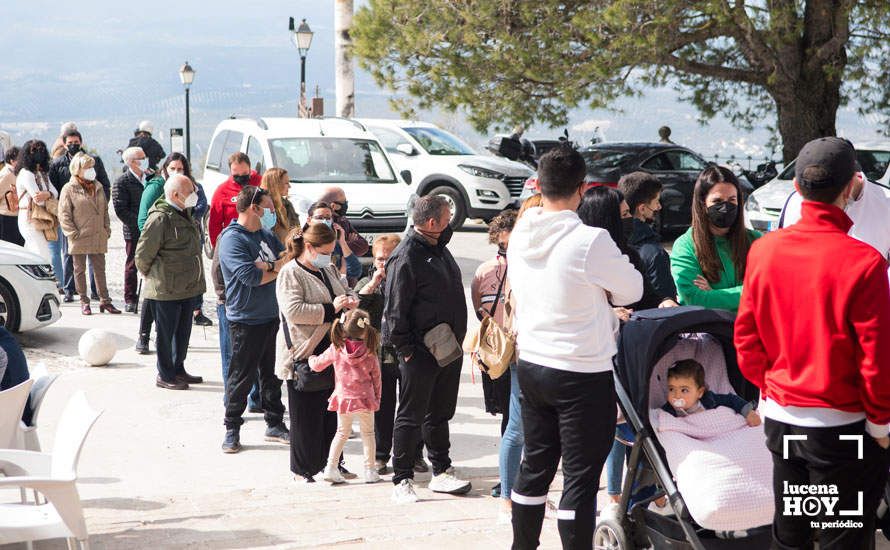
x,y
722,468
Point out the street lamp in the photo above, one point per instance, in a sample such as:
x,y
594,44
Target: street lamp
x,y
187,76
302,39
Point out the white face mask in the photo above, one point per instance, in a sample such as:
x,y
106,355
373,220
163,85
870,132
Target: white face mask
x,y
89,174
190,201
143,164
173,172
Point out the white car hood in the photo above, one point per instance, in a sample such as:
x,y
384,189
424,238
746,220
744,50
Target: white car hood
x,y
12,254
774,194
505,166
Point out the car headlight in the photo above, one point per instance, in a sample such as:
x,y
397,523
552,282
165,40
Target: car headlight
x,y
41,272
481,172
751,205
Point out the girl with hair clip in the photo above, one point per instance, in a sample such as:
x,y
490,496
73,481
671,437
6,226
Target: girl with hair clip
x,y
353,352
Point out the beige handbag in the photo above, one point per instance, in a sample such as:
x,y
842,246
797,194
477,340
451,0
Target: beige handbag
x,y
492,347
45,217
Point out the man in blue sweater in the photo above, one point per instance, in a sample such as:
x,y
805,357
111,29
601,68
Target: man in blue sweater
x,y
249,261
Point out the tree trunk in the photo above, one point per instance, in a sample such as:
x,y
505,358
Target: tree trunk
x,y
804,117
344,73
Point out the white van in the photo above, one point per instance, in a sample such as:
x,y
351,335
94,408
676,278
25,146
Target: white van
x,y
317,153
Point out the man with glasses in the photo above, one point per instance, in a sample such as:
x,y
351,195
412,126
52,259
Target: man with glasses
x,y
343,257
249,260
336,197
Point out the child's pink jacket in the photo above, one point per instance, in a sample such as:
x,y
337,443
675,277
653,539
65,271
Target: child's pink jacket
x,y
357,376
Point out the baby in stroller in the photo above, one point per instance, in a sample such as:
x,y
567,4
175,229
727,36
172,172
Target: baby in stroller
x,y
688,394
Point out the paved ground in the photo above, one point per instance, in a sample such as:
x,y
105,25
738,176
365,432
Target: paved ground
x,y
152,474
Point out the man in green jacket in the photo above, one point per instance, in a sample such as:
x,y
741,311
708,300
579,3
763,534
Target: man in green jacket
x,y
169,257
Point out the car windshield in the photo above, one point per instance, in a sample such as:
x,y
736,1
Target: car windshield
x,y
439,142
874,164
335,160
605,159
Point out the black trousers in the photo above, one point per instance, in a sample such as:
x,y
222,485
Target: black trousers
x,y
174,324
385,416
68,271
130,279
312,428
427,401
253,354
823,459
146,317
9,230
569,415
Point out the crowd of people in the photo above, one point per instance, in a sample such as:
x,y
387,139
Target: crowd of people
x,y
295,306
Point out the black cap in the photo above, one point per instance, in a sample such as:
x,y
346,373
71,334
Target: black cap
x,y
835,156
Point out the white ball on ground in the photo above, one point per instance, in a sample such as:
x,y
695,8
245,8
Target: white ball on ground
x,y
97,347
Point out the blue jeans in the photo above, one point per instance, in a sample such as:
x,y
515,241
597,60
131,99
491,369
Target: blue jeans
x,y
225,350
55,255
616,460
513,440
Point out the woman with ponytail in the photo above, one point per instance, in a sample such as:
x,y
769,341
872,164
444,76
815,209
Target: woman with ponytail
x,y
310,297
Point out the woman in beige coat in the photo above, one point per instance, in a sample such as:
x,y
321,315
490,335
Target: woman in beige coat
x,y
310,295
83,215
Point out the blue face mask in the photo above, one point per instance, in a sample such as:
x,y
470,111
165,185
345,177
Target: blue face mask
x,y
321,261
268,218
329,223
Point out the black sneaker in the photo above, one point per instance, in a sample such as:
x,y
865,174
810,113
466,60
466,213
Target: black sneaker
x,y
130,307
201,320
420,466
232,442
278,434
94,296
68,298
496,491
256,409
142,345
381,466
346,473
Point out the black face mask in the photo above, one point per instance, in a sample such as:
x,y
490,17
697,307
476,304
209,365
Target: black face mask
x,y
242,180
445,237
73,148
627,227
344,206
723,214
502,250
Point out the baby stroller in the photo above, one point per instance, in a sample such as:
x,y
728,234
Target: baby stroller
x,y
649,341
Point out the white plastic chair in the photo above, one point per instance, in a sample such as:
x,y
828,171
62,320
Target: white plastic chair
x,y
28,439
54,475
12,403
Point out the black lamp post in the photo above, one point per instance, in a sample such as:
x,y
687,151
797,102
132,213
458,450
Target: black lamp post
x,y
187,76
302,39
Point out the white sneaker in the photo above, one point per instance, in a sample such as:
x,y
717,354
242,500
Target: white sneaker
x,y
332,474
446,482
403,493
610,510
665,510
371,475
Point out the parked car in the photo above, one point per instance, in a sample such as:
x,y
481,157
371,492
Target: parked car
x,y
475,186
676,167
765,205
28,295
317,153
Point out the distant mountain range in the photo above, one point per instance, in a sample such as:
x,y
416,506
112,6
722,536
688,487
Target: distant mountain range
x,y
110,65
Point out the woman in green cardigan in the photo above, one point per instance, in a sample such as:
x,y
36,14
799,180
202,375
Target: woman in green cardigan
x,y
708,261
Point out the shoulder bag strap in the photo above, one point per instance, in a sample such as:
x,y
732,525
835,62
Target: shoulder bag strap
x,y
497,296
784,208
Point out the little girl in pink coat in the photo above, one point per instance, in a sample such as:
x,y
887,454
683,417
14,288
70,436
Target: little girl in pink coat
x,y
353,352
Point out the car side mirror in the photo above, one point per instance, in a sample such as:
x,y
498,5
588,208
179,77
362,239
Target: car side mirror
x,y
406,149
406,175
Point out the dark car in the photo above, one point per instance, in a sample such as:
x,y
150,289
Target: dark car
x,y
676,167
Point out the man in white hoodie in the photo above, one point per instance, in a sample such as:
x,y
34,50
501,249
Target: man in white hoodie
x,y
566,277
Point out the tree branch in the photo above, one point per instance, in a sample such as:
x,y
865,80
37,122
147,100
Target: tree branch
x,y
716,71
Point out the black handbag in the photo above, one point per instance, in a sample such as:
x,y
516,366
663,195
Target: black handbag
x,y
306,379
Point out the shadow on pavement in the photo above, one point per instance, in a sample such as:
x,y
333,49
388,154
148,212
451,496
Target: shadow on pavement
x,y
119,503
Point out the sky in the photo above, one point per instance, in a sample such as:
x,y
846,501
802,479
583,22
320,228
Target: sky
x,y
107,65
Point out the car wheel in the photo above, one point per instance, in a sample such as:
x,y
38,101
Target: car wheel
x,y
9,308
455,202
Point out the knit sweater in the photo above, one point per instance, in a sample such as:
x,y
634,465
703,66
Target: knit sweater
x,y
301,300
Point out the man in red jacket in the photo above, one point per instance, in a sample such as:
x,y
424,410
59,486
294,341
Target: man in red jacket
x,y
222,205
813,333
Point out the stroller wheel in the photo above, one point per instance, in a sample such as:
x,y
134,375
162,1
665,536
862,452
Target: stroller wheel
x,y
609,535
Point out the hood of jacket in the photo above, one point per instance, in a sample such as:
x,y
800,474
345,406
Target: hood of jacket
x,y
355,349
539,231
643,233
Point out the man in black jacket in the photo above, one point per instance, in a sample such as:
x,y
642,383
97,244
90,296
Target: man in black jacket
x,y
642,193
423,290
149,145
126,194
59,175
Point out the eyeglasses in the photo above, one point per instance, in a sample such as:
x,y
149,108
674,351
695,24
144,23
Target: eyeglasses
x,y
322,218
